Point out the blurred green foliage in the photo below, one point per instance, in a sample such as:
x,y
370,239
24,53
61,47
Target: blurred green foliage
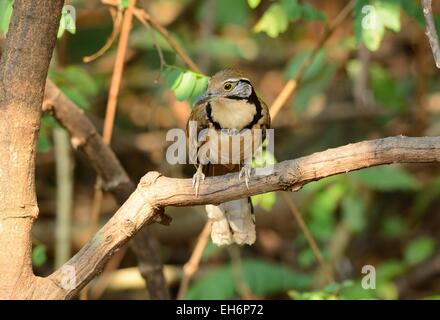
x,y
262,278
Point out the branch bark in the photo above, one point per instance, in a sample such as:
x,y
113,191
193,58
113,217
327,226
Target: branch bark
x,y
156,191
431,32
23,70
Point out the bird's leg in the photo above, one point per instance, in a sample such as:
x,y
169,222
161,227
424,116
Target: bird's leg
x,y
246,173
197,178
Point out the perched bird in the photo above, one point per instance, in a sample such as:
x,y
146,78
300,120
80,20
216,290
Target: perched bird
x,y
229,107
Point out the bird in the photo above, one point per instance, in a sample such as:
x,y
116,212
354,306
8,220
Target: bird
x,y
229,107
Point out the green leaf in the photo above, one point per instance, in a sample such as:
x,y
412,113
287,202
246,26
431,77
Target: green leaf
x,y
5,14
254,3
387,178
353,211
292,9
199,88
186,86
76,84
262,278
184,83
356,292
173,77
76,96
389,14
273,22
419,250
124,4
265,200
389,270
322,210
39,255
67,22
413,10
310,13
80,79
229,12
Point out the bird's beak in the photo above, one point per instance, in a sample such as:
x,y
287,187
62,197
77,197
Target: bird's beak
x,y
204,98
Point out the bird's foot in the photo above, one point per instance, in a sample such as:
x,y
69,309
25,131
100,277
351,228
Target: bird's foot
x,y
198,177
245,173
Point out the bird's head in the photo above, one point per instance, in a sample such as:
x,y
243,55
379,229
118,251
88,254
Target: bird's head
x,y
229,84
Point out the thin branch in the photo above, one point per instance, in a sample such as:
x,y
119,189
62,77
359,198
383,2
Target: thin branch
x,y
117,23
431,32
291,85
140,13
117,73
156,44
312,243
191,267
155,191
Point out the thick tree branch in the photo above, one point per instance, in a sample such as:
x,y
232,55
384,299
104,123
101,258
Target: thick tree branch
x,y
155,191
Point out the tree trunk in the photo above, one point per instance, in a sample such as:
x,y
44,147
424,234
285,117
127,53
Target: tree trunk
x,y
23,70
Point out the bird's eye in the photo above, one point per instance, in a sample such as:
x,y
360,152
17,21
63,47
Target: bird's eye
x,y
227,86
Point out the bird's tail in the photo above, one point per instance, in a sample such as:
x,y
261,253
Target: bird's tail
x,y
232,222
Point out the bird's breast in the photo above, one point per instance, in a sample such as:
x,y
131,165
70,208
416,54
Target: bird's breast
x,y
232,114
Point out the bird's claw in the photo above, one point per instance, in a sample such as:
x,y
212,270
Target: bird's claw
x,y
197,178
246,173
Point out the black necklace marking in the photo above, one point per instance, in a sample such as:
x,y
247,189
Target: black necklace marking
x,y
209,113
255,101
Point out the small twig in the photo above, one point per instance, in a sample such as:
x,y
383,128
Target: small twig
x,y
165,34
117,23
156,44
117,73
431,32
312,243
291,85
191,267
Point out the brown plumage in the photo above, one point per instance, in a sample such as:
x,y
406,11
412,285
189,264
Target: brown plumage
x,y
230,103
